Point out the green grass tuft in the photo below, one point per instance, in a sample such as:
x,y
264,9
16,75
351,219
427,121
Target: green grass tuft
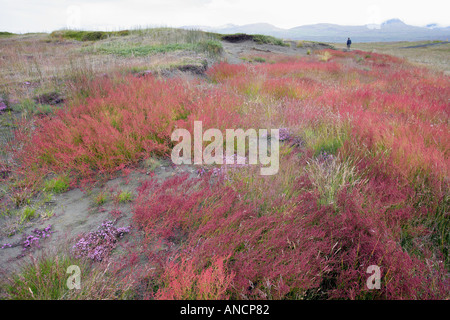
x,y
263,39
101,198
46,278
125,196
27,214
57,185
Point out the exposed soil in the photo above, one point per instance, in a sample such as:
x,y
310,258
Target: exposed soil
x,y
51,98
76,213
235,38
195,70
235,51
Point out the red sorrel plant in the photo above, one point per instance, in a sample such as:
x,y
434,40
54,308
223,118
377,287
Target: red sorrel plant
x,y
182,281
395,128
363,238
120,123
213,221
306,250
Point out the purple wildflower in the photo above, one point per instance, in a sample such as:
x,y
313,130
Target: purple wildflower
x,y
98,244
284,134
3,106
287,136
32,240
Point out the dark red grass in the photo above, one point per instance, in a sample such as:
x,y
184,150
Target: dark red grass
x,y
309,251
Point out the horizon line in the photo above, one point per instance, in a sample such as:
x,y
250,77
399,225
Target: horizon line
x,y
149,26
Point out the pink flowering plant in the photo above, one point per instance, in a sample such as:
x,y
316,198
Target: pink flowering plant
x,y
30,241
97,245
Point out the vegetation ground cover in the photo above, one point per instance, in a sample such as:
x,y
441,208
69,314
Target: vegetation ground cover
x,y
363,178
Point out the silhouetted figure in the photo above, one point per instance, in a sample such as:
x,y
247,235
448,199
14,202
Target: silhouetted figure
x,y
349,43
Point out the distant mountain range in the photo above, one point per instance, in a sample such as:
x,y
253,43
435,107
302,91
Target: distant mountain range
x,y
390,30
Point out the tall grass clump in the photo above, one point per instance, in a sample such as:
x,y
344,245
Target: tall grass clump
x,y
45,278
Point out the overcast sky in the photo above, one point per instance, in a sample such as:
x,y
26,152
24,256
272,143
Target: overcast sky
x,y
49,15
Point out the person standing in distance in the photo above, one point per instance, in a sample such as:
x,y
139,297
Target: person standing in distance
x,y
349,43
